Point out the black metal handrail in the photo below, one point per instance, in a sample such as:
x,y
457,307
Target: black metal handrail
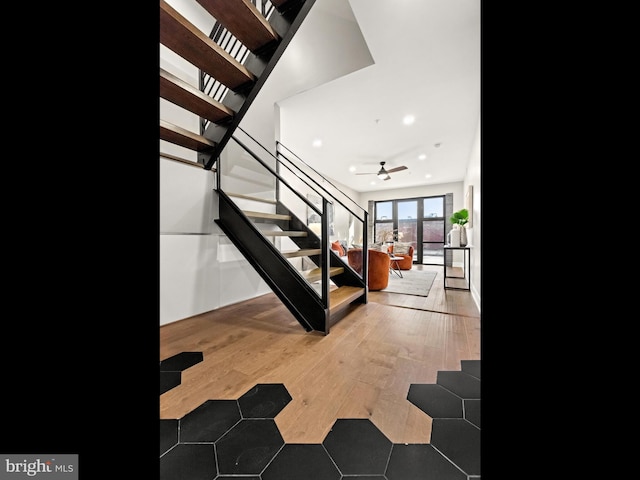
x,y
324,179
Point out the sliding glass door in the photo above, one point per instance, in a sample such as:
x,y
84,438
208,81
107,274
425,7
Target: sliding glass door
x,y
433,228
417,221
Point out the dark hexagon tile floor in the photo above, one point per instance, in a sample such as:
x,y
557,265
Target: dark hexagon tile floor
x,y
420,461
459,441
248,447
264,401
239,439
171,369
302,461
209,421
358,447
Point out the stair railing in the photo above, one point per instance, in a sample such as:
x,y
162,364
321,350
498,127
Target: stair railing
x,y
243,170
343,219
347,224
330,189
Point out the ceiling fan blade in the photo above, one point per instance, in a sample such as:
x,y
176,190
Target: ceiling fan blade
x,y
397,169
369,173
388,178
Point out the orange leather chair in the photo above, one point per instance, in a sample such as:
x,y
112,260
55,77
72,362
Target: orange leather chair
x,y
378,273
407,258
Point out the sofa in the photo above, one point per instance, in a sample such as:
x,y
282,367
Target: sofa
x,y
407,258
378,273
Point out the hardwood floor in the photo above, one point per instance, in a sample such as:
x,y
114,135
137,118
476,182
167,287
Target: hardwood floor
x,y
362,369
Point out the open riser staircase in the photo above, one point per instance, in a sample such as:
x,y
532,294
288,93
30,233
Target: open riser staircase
x,y
261,207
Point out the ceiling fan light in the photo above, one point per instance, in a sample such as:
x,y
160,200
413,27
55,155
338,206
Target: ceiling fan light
x,y
383,176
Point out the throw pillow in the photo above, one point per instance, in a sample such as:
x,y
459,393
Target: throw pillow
x,y
338,248
401,248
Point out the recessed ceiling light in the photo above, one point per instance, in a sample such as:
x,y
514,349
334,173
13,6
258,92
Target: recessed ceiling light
x,y
422,156
408,119
428,175
352,168
317,143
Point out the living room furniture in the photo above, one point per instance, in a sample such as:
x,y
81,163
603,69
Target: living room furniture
x,y
338,248
407,258
393,265
466,267
378,270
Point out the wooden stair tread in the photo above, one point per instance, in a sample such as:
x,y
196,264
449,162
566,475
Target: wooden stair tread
x,y
179,92
242,19
272,216
185,39
283,233
315,274
183,137
343,296
304,252
249,197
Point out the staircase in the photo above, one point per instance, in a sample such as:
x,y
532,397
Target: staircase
x,y
264,205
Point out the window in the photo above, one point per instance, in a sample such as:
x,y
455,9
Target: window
x,y
418,221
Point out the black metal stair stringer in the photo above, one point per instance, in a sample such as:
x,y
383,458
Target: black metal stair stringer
x,y
294,292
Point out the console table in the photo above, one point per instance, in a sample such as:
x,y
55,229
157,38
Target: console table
x,y
466,267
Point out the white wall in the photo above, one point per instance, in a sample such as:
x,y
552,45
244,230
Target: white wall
x,y
200,270
473,234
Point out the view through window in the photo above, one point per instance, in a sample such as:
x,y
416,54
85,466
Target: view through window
x,y
417,221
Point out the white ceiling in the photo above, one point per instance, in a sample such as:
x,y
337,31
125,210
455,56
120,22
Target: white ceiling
x,y
418,57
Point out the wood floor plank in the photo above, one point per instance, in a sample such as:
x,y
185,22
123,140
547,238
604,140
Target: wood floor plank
x,y
362,369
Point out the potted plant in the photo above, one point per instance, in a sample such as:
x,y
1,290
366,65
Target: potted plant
x,y
461,218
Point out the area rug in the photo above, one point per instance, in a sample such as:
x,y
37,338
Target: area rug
x,y
414,282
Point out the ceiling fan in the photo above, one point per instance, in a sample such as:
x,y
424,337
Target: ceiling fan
x,y
383,174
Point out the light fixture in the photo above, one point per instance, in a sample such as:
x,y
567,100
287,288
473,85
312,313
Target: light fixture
x,y
382,173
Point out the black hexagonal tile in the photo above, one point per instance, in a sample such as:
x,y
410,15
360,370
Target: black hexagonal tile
x,y
472,411
189,462
459,441
435,400
420,461
358,447
265,400
301,461
171,369
472,367
460,383
364,477
235,477
169,380
209,421
248,447
168,434
180,361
